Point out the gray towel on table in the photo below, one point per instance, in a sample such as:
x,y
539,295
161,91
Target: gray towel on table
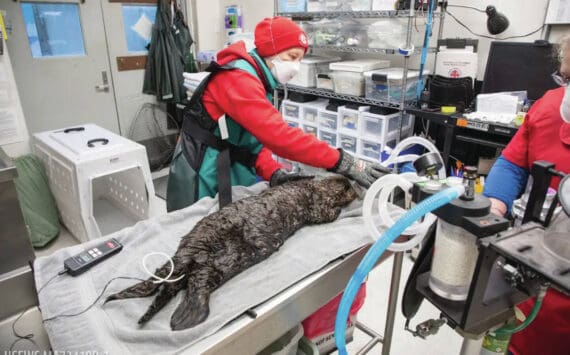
x,y
113,327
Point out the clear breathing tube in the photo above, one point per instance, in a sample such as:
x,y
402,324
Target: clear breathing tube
x,y
378,248
381,212
387,212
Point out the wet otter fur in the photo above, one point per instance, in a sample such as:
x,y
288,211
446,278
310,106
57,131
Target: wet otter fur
x,y
240,235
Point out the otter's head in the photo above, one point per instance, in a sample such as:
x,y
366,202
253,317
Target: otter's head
x,y
336,191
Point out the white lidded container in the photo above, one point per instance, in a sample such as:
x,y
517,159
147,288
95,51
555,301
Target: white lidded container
x,y
101,181
360,65
453,263
348,75
309,68
386,84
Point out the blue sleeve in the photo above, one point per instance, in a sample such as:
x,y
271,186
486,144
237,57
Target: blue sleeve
x,y
505,181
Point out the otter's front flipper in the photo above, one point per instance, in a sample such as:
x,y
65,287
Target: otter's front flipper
x,y
141,289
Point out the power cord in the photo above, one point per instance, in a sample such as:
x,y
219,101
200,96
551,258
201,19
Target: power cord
x,y
30,336
486,36
466,7
94,302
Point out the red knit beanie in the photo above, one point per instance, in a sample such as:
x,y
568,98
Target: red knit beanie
x,y
274,35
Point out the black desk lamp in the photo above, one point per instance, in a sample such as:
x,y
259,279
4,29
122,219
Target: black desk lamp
x,y
497,22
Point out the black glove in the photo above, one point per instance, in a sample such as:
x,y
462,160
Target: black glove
x,y
281,176
363,172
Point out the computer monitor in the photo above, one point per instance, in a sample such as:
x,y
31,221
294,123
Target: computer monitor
x,y
514,66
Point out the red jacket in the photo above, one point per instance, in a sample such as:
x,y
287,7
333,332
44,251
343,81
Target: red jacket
x,y
544,136
242,96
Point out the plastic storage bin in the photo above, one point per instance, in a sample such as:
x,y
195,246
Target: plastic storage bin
x,y
328,136
327,33
386,84
378,127
360,66
310,111
101,181
370,149
308,28
309,68
344,32
350,5
315,5
348,143
354,34
291,110
292,5
311,114
292,123
383,5
390,33
408,122
328,119
348,119
348,75
348,83
311,129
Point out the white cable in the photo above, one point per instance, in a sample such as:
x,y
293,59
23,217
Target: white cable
x,y
160,279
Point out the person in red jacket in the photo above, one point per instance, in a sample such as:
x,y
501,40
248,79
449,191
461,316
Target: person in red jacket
x,y
545,135
236,105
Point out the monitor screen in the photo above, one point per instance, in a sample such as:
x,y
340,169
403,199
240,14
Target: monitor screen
x,y
514,66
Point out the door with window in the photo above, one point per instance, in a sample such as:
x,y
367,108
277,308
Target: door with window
x,y
79,61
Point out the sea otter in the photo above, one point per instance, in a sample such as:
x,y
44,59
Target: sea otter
x,y
240,235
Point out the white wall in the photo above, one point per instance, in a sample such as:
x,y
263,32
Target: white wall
x,y
210,24
524,16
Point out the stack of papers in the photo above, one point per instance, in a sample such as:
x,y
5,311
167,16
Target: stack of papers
x,y
499,107
504,118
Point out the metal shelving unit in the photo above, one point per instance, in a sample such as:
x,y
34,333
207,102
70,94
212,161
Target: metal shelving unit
x,y
333,95
346,49
301,16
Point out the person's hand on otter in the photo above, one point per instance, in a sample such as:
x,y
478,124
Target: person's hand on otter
x,y
363,172
281,176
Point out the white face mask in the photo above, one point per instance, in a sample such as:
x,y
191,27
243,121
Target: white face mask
x,y
284,71
565,106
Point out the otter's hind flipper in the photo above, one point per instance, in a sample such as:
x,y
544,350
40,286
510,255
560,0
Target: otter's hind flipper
x,y
168,292
194,307
144,288
193,310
